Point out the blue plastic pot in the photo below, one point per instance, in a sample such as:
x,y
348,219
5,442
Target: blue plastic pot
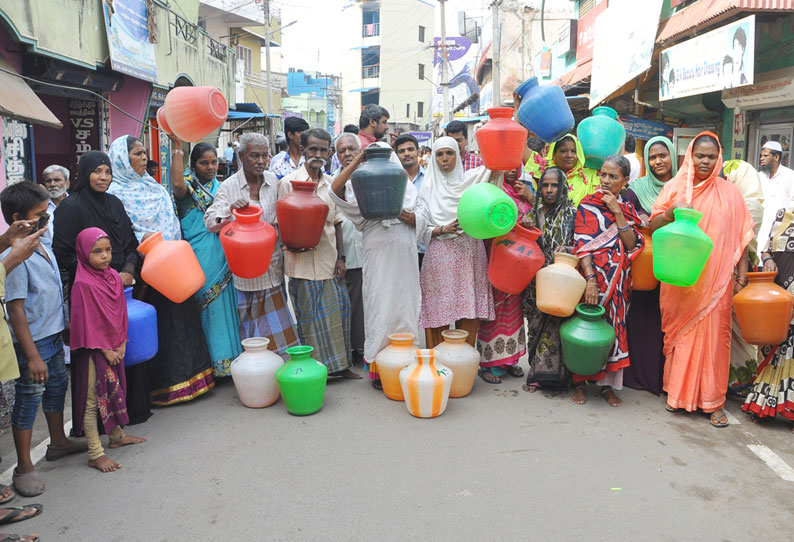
x,y
544,111
142,342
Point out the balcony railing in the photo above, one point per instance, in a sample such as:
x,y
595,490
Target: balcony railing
x,y
183,28
370,30
368,72
217,49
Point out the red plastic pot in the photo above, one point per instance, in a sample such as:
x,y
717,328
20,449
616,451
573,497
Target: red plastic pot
x,y
301,216
502,140
248,243
192,113
515,259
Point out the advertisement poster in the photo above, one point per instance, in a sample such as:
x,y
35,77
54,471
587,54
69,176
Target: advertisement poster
x,y
585,33
128,39
720,59
461,61
618,57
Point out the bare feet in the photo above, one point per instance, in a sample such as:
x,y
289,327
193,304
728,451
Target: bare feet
x,y
580,397
612,399
531,388
103,464
127,440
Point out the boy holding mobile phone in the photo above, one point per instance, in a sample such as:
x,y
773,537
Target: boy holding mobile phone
x,y
36,312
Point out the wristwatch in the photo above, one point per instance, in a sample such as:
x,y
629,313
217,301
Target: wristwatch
x,y
342,257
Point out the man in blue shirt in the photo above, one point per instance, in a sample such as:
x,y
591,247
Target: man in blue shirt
x,y
407,149
286,163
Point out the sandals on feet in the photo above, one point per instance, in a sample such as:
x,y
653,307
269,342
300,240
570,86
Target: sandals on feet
x,y
75,447
28,484
20,513
8,497
717,421
514,371
488,376
669,408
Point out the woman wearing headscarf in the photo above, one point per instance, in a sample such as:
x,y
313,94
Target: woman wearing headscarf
x,y
553,214
568,155
390,268
454,275
217,299
772,393
696,321
182,369
90,205
502,341
607,238
644,319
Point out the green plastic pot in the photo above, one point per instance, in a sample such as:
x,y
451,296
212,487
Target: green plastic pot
x,y
681,249
587,339
601,135
302,381
485,211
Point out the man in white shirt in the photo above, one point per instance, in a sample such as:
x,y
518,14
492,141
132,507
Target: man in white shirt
x,y
777,182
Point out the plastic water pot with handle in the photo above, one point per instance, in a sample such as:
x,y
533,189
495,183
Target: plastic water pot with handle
x,y
301,216
515,259
642,265
485,211
379,185
559,287
393,359
544,111
248,243
587,339
461,358
681,249
501,140
142,342
302,381
192,113
601,135
426,385
763,310
254,373
171,268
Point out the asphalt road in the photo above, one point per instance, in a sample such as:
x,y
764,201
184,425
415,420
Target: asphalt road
x,y
499,464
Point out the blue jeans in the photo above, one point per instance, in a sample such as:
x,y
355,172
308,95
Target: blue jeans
x,y
29,394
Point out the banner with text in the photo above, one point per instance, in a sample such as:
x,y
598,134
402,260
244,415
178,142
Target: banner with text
x,y
720,59
127,29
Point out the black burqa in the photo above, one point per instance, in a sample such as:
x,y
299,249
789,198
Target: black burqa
x,y
87,208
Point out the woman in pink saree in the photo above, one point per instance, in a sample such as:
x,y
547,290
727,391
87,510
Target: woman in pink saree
x,y
697,320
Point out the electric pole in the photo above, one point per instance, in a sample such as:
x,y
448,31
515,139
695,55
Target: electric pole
x,y
496,50
266,8
444,81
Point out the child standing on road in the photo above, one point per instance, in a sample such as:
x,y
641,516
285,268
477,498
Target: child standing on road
x,y
36,313
98,341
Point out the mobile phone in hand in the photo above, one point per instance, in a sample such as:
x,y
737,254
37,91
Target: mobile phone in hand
x,y
41,223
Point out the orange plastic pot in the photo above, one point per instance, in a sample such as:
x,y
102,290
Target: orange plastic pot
x,y
248,243
502,140
642,266
763,309
171,268
515,259
192,113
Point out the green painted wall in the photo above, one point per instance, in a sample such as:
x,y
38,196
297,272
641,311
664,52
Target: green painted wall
x,y
774,44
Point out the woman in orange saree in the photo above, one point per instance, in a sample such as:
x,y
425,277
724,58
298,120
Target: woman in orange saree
x,y
696,321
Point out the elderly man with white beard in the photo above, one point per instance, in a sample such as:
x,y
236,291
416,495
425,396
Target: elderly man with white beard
x,y
317,276
55,179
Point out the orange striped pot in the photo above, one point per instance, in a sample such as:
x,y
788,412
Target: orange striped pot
x,y
426,384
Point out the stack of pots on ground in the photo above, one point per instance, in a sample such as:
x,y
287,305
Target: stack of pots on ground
x,y
248,243
379,185
301,216
544,111
254,373
302,381
462,358
426,385
501,140
391,360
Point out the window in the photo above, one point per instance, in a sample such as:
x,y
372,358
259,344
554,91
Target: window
x,y
422,35
421,71
408,111
420,109
244,54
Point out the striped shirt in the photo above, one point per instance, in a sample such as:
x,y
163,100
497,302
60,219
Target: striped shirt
x,y
470,161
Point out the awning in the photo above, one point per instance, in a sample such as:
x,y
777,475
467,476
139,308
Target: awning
x,y
239,115
575,76
18,101
710,12
248,110
363,89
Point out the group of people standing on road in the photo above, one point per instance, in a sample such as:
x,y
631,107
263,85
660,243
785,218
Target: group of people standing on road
x,y
368,279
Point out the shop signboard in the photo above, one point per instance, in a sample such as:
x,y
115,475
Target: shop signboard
x,y
126,26
83,128
720,59
645,129
739,135
545,63
619,56
17,155
585,33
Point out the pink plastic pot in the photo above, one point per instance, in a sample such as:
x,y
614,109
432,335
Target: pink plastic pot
x,y
192,113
